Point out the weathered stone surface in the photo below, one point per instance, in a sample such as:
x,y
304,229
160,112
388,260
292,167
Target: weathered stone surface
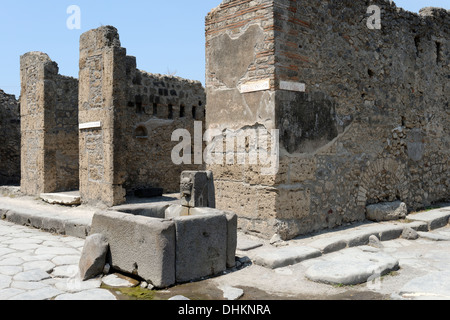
x,y
334,158
88,295
246,244
351,267
32,275
434,218
179,297
5,281
231,227
9,139
433,236
278,258
387,211
329,245
375,242
66,198
139,245
93,256
120,281
430,286
137,111
231,293
201,246
410,234
197,189
49,127
45,293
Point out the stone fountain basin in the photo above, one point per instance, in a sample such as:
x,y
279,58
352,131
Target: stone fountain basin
x,y
163,246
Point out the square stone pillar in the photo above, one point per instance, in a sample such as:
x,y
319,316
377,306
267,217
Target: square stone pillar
x,y
101,75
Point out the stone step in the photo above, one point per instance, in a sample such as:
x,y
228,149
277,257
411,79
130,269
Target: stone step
x,y
272,257
71,198
435,219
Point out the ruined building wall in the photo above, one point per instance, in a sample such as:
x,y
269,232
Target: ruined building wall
x,y
240,82
49,127
127,118
158,105
363,114
9,139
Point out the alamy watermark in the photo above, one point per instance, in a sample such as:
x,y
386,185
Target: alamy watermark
x,y
252,146
74,20
374,21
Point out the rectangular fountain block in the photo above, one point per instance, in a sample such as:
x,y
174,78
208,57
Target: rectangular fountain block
x,y
201,249
139,245
232,222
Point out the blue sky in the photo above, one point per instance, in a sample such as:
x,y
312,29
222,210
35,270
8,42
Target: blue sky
x,y
165,36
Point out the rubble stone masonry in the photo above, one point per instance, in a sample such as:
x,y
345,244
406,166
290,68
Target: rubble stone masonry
x,y
9,139
127,117
363,114
49,127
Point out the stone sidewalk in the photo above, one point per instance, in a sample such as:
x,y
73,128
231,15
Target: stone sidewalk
x,y
280,254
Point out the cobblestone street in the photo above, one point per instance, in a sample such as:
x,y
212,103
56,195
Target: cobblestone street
x,y
36,265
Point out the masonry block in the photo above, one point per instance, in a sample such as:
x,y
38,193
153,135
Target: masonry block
x,y
201,249
139,245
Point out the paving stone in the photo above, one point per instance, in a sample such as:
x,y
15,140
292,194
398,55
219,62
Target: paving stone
x,y
41,257
57,251
119,281
10,270
13,261
94,294
16,240
45,265
8,293
45,293
430,286
179,298
76,284
5,281
231,293
276,258
245,244
351,267
5,251
66,260
27,285
433,236
31,275
68,271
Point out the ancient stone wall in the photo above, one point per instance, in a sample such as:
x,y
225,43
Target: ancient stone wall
x,y
363,113
127,118
49,127
9,139
157,106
